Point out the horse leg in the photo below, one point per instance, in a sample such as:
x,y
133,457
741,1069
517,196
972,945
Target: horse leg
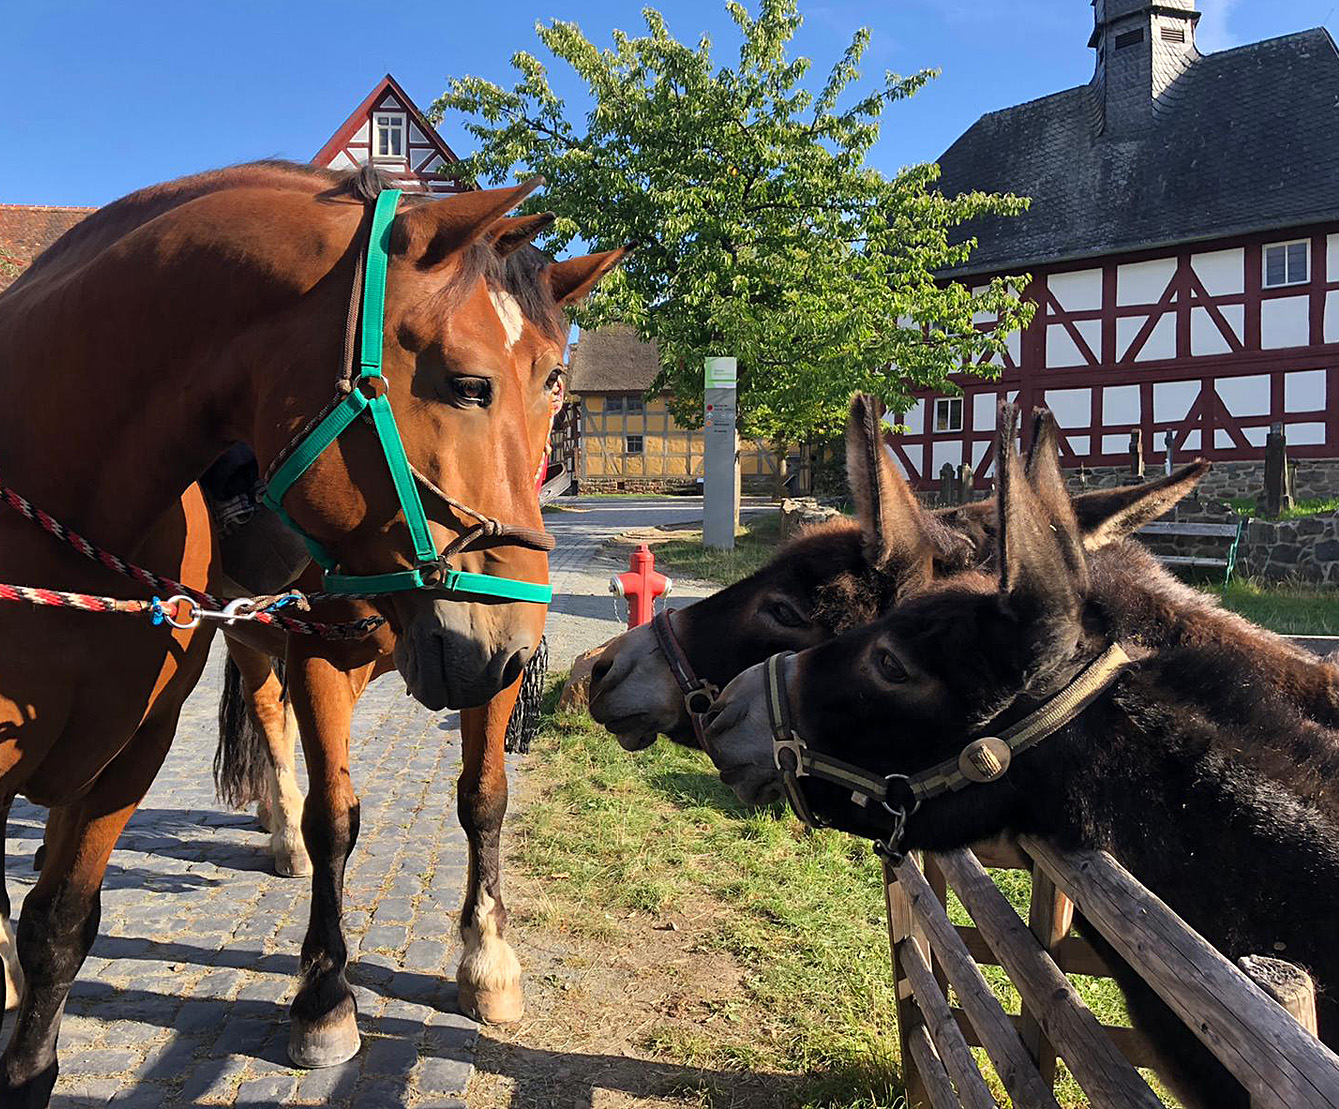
x,y
61,913
257,756
489,977
324,1017
12,972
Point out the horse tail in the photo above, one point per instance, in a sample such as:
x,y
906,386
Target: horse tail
x,y
242,758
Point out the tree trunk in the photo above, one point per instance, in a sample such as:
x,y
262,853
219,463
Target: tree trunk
x,y
779,452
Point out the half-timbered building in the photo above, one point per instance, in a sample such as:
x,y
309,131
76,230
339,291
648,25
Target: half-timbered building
x,y
389,130
1183,248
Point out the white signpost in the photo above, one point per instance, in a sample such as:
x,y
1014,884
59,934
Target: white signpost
x,y
720,485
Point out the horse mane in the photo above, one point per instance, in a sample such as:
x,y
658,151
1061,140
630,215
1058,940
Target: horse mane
x,y
519,273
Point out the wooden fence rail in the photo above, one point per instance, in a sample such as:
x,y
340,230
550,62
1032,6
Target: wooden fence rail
x,y
1276,1058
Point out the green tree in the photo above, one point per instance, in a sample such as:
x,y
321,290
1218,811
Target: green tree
x,y
761,230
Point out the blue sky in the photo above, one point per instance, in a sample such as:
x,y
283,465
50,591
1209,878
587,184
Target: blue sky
x,y
112,95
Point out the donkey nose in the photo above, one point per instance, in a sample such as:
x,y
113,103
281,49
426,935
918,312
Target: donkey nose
x,y
601,669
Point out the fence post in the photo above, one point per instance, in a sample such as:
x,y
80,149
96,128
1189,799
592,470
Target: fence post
x,y
966,482
902,930
1278,496
946,484
1050,917
1287,984
1137,452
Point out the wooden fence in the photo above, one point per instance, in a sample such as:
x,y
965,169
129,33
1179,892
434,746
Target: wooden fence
x,y
1276,1058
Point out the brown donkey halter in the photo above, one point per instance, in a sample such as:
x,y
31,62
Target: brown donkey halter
x,y
984,759
698,693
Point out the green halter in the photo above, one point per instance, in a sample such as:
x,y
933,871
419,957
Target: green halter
x,y
368,397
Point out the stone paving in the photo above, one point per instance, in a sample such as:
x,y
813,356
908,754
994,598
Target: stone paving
x,y
184,998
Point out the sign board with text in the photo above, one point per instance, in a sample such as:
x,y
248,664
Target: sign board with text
x,y
720,484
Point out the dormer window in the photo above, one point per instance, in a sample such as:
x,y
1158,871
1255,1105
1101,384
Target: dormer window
x,y
1287,264
388,135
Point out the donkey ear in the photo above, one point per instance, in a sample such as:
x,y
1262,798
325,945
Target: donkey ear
x,y
893,525
430,233
573,279
512,232
1039,579
1111,514
1048,482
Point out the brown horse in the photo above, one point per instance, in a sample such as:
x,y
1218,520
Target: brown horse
x,y
170,324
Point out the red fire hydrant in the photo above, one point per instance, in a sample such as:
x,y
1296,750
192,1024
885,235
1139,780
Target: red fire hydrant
x,y
640,585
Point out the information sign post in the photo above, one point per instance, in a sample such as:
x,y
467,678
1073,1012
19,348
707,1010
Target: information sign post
x,y
720,486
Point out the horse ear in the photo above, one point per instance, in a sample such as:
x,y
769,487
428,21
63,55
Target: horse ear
x,y
893,525
573,279
512,232
430,233
1038,578
1111,514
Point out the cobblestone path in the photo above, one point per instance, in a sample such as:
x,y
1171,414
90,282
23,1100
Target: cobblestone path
x,y
184,998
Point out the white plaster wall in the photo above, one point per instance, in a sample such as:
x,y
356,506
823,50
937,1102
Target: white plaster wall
x,y
1143,282
982,317
1222,440
1120,404
1255,435
1205,336
1305,435
1221,272
1013,343
415,135
1118,444
1192,441
1244,396
1172,399
1332,316
1283,322
915,418
985,407
1332,257
1304,391
363,134
950,452
1072,407
1077,291
1161,343
1079,444
389,101
1061,349
342,161
978,453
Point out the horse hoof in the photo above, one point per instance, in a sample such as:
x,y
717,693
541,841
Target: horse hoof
x,y
328,1042
491,1006
291,861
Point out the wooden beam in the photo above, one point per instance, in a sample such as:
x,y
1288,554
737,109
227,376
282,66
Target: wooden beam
x,y
998,1036
938,1090
1279,1062
944,1032
1103,1072
1050,917
1131,1042
1073,954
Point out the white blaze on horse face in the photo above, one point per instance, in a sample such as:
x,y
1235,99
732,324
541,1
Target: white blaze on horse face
x,y
509,312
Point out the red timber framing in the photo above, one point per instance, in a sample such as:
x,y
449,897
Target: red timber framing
x,y
1183,340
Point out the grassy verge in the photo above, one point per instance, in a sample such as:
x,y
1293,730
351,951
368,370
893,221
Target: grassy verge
x,y
1286,609
1248,506
755,545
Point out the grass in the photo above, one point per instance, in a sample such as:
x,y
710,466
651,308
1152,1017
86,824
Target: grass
x,y
1283,608
802,913
1248,506
755,545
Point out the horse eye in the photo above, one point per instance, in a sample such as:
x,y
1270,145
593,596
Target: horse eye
x,y
784,614
555,379
472,390
890,668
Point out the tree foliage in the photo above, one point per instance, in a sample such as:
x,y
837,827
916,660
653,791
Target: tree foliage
x,y
761,230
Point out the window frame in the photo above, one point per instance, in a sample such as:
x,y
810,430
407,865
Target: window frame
x,y
949,402
399,125
1305,279
628,437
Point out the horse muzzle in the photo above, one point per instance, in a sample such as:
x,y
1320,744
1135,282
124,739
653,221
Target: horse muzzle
x,y
456,656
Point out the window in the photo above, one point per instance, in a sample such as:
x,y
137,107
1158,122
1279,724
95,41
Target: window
x,y
635,404
632,444
389,135
948,414
1173,34
1129,38
1287,264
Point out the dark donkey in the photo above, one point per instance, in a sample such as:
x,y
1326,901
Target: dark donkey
x,y
831,578
1199,750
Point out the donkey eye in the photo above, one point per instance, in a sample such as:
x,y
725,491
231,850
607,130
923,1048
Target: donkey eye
x,y
890,668
784,614
472,390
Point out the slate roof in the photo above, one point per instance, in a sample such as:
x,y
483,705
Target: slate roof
x,y
1245,140
612,359
28,229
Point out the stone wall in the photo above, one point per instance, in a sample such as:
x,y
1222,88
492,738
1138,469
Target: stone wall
x,y
763,484
1313,478
1304,549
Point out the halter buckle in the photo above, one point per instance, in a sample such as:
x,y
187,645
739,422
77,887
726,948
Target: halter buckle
x,y
796,746
372,385
899,810
705,692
